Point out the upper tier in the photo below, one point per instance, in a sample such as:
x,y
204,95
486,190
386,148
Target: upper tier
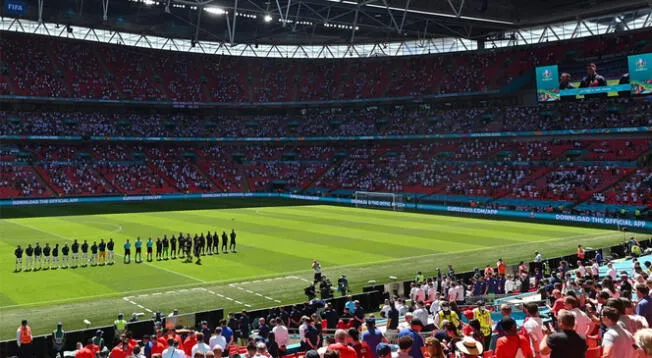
x,y
53,67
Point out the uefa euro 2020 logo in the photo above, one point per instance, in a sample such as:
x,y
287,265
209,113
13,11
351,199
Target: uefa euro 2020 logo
x,y
641,65
547,75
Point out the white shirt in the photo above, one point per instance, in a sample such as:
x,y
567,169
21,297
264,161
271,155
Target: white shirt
x,y
432,292
582,270
621,340
420,295
173,353
385,309
452,294
595,269
612,273
281,335
538,258
460,292
200,347
434,306
216,340
509,286
582,322
534,328
421,314
302,332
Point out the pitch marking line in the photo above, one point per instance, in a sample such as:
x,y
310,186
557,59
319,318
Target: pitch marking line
x,y
117,294
237,285
116,254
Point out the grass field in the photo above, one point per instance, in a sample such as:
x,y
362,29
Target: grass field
x,y
276,246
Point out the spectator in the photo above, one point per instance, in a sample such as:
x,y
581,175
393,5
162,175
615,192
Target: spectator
x,y
616,342
565,342
417,341
200,346
512,343
217,339
644,307
405,345
470,347
373,336
341,345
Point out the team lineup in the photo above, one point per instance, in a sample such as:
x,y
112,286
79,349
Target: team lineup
x,y
100,254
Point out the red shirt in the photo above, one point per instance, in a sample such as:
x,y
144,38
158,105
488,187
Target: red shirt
x,y
501,267
507,346
345,351
157,347
362,349
558,305
118,352
188,344
467,330
93,348
85,353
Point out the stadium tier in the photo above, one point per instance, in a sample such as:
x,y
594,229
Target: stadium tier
x,y
79,69
597,175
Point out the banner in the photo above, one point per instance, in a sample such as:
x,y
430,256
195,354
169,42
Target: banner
x,y
567,218
15,7
547,83
640,73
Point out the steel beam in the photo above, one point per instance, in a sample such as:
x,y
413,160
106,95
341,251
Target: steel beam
x,y
407,6
391,16
199,12
40,10
230,25
105,9
355,23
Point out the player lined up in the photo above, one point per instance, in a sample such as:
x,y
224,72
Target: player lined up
x,y
181,247
73,256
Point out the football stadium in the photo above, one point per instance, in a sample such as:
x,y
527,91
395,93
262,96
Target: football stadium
x,y
325,178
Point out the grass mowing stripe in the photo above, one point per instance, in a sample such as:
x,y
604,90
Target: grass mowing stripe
x,y
417,229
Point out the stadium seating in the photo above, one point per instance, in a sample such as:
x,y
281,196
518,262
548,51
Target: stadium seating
x,y
81,69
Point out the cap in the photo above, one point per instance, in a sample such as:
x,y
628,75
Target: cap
x,y
99,332
480,303
382,349
204,322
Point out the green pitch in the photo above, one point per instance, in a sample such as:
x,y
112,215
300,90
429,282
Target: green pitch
x,y
275,248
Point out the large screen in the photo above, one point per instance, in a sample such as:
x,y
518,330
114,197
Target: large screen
x,y
640,73
607,77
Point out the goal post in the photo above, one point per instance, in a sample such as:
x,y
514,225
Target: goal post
x,y
390,201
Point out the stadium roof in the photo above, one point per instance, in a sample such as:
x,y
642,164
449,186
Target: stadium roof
x,y
327,22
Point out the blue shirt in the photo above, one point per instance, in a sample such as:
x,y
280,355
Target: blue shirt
x,y
478,288
227,332
373,338
598,257
149,243
644,308
127,245
415,351
350,305
139,244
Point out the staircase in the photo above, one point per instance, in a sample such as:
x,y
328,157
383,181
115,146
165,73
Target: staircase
x,y
201,168
43,177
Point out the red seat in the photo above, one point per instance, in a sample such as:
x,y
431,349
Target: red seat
x,y
488,354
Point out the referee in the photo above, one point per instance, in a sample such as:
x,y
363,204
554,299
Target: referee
x,y
138,257
19,259
149,245
127,247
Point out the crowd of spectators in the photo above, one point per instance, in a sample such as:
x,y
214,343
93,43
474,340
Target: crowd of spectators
x,y
73,68
534,170
381,121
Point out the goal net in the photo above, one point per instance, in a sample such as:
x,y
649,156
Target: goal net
x,y
390,201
